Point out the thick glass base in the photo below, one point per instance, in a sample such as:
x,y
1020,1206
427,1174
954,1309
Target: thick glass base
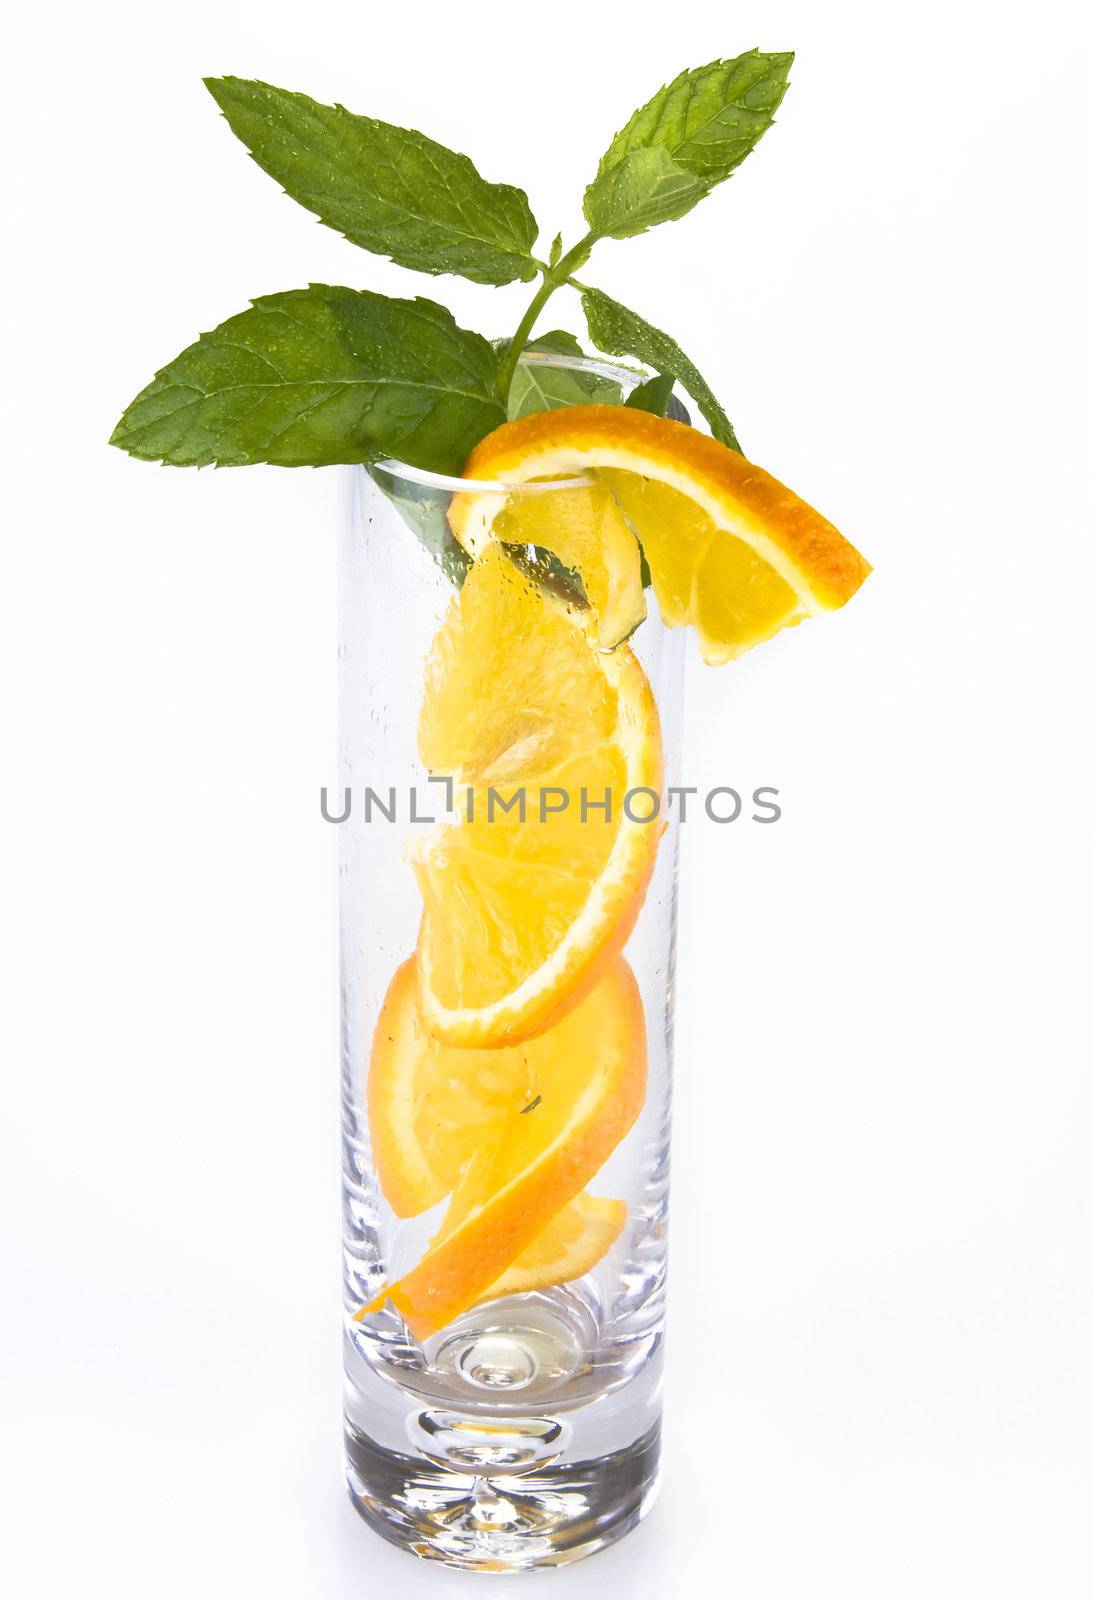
x,y
517,1438
506,1521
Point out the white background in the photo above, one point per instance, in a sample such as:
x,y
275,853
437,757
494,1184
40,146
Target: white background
x,y
881,1325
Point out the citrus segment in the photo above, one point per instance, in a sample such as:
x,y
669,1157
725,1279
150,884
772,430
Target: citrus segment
x,y
586,530
430,1106
731,550
569,1246
525,907
522,1165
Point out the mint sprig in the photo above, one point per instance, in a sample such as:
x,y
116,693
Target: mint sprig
x,y
710,118
317,377
618,331
690,136
644,188
538,387
654,395
390,190
323,375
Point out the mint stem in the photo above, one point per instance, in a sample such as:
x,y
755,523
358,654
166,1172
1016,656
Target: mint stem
x,y
553,278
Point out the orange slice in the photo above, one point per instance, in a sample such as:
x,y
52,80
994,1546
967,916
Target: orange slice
x,y
731,551
430,1105
586,1078
586,530
569,1246
526,907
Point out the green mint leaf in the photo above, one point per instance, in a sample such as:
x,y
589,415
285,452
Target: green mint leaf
x,y
644,187
710,118
653,395
618,331
319,376
558,342
390,190
538,387
426,516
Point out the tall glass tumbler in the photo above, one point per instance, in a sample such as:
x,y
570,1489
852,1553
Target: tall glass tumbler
x,y
523,1431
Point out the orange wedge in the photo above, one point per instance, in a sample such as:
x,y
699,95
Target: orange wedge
x,y
522,1161
731,551
525,908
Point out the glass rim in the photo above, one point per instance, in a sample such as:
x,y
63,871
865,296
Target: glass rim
x,y
627,378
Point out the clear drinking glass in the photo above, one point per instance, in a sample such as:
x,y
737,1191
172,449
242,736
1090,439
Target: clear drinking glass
x,y
524,1433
